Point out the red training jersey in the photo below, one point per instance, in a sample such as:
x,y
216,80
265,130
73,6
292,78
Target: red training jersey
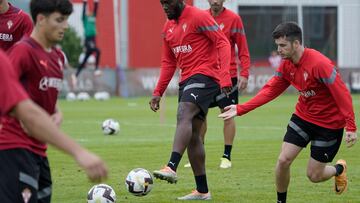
x,y
324,98
11,92
196,45
40,72
14,24
232,26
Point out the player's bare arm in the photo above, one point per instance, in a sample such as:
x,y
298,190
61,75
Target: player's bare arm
x,y
40,126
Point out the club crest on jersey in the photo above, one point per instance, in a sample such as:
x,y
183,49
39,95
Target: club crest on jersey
x,y
184,27
306,75
221,26
171,30
26,195
10,24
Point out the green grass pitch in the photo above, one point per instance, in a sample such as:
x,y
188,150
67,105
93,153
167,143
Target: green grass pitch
x,y
145,141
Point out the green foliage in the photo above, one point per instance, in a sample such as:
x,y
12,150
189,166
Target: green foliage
x,y
145,140
71,45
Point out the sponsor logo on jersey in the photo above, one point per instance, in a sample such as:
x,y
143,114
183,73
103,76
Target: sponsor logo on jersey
x,y
48,82
43,63
6,37
10,24
182,49
308,93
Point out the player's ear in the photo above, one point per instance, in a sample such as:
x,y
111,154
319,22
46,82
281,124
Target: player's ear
x,y
40,19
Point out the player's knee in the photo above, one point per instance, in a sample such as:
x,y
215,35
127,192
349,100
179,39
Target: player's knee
x,y
314,176
284,162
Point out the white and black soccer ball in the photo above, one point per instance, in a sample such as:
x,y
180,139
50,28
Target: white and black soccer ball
x,y
110,127
139,182
101,193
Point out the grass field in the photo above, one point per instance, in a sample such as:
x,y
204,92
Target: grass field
x,y
145,140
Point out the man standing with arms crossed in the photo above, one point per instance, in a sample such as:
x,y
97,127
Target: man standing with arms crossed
x,y
193,42
38,65
14,24
231,24
324,108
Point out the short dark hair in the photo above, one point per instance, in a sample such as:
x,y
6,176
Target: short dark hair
x,y
46,7
290,30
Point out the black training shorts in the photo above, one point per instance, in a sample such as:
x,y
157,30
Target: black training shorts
x,y
325,142
24,177
200,90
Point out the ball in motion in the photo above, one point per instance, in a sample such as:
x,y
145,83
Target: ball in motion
x,y
110,127
139,182
101,193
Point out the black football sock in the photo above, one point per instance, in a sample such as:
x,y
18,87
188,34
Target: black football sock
x,y
281,197
227,152
174,160
339,169
201,184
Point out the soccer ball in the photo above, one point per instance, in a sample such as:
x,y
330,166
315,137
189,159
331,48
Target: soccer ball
x,y
101,193
83,96
102,96
139,182
110,127
71,96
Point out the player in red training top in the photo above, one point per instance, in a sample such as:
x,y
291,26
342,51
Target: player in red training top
x,y
14,24
231,24
323,110
26,176
193,42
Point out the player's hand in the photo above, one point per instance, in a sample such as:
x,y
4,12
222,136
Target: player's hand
x,y
350,138
229,112
94,167
57,118
226,90
243,83
155,103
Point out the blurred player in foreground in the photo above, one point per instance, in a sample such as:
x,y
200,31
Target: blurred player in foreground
x,y
324,108
38,65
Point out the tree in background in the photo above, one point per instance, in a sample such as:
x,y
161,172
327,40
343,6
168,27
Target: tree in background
x,y
71,45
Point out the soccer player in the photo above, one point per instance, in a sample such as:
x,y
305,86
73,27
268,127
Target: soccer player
x,y
20,164
39,66
193,42
14,24
323,109
231,24
89,22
